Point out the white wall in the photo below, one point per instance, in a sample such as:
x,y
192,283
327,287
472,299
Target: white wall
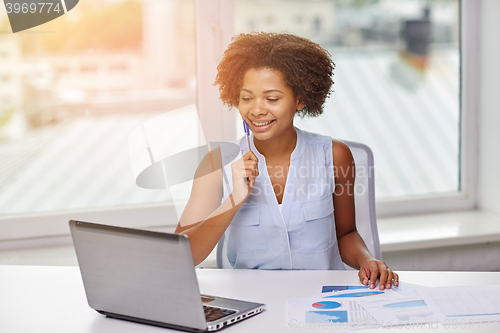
x,y
489,108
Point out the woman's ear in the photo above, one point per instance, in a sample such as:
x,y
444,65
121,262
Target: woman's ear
x,y
300,103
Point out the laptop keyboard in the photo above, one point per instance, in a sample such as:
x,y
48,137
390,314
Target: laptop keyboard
x,y
212,313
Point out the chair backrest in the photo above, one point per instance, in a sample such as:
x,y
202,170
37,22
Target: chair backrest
x,y
364,199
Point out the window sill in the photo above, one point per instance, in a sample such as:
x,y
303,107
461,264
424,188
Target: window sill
x,y
438,230
397,235
420,232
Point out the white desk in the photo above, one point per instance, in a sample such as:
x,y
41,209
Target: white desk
x,y
51,299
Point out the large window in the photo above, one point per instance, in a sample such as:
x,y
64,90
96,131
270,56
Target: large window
x,y
74,89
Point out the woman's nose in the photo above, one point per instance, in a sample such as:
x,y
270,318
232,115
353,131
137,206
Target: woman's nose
x,y
258,108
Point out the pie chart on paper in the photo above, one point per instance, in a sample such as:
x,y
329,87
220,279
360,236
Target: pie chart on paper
x,y
326,305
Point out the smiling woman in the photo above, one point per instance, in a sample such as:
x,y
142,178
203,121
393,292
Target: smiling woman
x,y
272,217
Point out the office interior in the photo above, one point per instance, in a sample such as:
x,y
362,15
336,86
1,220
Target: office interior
x,y
93,92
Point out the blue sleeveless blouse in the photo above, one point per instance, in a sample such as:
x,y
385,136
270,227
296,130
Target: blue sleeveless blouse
x,y
303,235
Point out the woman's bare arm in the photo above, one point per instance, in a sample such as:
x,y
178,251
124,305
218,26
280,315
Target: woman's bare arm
x,y
204,219
352,248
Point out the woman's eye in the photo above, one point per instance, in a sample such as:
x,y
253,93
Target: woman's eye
x,y
246,99
272,99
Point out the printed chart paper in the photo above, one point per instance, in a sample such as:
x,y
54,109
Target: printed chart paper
x,y
394,311
336,288
399,305
335,306
347,291
321,312
472,303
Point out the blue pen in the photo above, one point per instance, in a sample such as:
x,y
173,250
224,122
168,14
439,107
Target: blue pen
x,y
247,131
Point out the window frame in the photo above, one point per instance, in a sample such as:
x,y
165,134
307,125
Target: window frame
x,y
466,197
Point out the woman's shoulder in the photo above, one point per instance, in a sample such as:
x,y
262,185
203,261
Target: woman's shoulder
x,y
342,154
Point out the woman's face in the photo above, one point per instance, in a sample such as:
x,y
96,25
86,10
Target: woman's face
x,y
267,103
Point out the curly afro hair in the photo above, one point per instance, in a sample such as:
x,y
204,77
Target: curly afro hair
x,y
306,67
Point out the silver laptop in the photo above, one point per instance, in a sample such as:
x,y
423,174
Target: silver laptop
x,y
149,277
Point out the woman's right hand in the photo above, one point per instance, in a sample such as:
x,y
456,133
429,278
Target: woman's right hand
x,y
245,170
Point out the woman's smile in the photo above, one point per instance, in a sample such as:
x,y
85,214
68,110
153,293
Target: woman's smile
x,y
260,125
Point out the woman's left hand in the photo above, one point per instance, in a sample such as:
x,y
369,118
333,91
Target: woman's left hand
x,y
372,269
